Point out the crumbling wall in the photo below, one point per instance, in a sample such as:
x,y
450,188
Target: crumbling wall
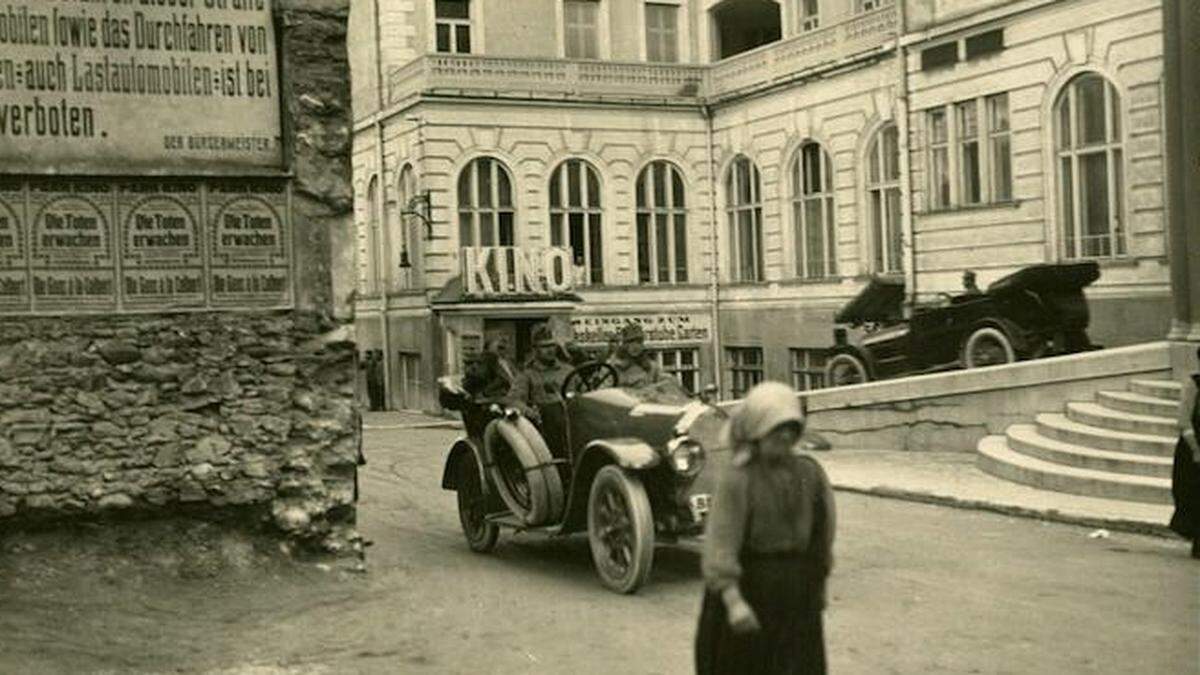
x,y
141,414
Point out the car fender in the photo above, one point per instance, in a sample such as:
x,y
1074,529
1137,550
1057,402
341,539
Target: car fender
x,y
1015,334
631,454
463,449
859,353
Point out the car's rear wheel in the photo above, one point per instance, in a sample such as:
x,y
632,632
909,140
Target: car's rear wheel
x,y
522,471
987,347
843,369
620,529
472,508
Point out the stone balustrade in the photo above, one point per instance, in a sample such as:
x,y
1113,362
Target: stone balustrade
x,y
671,82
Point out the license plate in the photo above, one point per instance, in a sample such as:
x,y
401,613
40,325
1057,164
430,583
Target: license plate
x,y
699,505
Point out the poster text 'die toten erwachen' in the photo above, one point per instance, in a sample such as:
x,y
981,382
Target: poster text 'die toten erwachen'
x,y
141,157
138,86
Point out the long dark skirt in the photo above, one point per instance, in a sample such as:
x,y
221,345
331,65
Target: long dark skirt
x,y
786,594
1185,487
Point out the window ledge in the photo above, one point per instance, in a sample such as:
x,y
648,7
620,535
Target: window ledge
x,y
1009,204
811,281
1116,261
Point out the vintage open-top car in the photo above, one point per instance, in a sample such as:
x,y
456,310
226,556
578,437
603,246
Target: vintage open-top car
x,y
629,466
1037,311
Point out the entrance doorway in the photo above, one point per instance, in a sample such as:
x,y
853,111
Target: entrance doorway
x,y
515,333
408,371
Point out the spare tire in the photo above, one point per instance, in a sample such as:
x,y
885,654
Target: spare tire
x,y
522,471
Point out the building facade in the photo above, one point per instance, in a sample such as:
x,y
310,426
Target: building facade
x,y
731,173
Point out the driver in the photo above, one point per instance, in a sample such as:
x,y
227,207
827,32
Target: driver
x,y
542,379
634,365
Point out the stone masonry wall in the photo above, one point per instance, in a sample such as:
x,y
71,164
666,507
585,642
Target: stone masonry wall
x,y
134,414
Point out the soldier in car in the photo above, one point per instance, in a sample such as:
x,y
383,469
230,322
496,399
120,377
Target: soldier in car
x,y
542,379
634,365
969,285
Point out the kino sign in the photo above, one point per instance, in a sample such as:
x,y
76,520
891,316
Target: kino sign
x,y
506,270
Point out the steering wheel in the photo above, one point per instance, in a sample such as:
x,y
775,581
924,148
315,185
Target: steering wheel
x,y
589,377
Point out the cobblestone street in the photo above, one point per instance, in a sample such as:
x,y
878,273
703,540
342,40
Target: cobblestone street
x,y
917,589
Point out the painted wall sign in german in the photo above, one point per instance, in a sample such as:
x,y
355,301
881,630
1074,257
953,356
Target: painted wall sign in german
x,y
249,243
14,267
660,329
162,264
71,248
495,271
137,86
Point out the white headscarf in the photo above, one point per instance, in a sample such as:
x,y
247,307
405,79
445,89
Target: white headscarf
x,y
765,407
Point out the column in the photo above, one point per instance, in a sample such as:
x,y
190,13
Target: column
x,y
1181,38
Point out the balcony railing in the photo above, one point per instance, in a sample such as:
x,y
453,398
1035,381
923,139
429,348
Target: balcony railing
x,y
542,78
780,60
571,80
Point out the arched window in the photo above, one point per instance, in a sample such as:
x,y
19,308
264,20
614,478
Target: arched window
x,y
575,216
1087,139
661,225
812,213
743,210
485,204
408,230
883,199
371,239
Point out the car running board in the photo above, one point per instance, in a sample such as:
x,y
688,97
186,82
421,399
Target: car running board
x,y
506,519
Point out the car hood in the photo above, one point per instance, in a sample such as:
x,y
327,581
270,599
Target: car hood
x,y
878,301
653,417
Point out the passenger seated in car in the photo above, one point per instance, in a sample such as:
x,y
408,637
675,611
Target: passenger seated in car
x,y
542,379
634,365
491,374
969,286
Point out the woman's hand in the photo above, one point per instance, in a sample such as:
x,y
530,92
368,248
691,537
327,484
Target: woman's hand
x,y
742,618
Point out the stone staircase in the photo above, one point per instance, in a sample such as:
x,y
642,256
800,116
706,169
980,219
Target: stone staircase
x,y
1118,447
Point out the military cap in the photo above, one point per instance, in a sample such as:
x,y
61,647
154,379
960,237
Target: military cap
x,y
632,331
542,334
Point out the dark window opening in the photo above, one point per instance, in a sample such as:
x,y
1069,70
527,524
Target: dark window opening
x,y
742,25
940,56
985,43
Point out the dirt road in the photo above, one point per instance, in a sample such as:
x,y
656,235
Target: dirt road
x,y
917,589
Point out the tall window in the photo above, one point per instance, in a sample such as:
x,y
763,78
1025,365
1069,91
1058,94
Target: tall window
x,y
661,225
485,204
575,216
684,364
969,141
662,33
939,159
808,368
452,19
883,199
581,28
810,15
371,240
999,147
812,213
745,368
407,231
1090,168
744,212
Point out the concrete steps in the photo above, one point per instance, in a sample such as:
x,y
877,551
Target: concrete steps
x,y
1118,447
996,458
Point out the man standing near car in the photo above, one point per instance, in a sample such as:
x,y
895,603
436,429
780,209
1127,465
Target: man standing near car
x,y
542,379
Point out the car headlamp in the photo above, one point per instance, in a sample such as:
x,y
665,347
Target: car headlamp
x,y
686,456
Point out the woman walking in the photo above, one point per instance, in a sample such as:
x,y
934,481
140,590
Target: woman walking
x,y
768,547
1185,477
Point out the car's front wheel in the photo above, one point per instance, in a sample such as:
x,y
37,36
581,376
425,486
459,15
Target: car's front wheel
x,y
620,529
987,346
472,508
843,369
